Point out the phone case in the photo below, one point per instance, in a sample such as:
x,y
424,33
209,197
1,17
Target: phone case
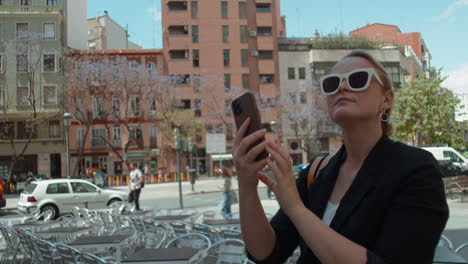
x,y
245,106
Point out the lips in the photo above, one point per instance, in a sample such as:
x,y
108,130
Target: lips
x,y
343,99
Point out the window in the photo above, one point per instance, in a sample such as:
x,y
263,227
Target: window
x,y
152,104
25,130
227,107
98,137
22,31
49,31
243,34
242,10
1,63
227,82
292,98
97,107
22,95
22,63
303,97
291,73
263,7
54,129
151,67
135,105
179,54
226,57
177,5
224,9
25,2
178,30
195,38
318,73
225,33
81,187
50,95
302,73
115,107
265,54
51,2
7,130
245,80
80,138
196,58
194,9
394,73
49,63
229,132
56,188
267,78
153,137
196,82
116,136
182,104
197,106
244,58
219,128
183,79
264,31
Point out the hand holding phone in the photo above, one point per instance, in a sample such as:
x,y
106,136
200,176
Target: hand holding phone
x,y
243,107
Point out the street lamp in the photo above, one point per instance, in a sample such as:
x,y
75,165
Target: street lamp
x,y
178,147
67,122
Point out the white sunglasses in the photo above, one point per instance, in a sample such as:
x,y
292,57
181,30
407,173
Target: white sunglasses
x,y
357,80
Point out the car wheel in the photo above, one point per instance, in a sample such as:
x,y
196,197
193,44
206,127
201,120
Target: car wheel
x,y
115,200
50,209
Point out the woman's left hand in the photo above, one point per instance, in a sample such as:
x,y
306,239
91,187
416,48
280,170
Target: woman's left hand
x,y
284,187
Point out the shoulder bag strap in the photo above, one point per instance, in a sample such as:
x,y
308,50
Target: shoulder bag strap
x,y
318,164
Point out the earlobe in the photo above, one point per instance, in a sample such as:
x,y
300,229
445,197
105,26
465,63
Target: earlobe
x,y
389,99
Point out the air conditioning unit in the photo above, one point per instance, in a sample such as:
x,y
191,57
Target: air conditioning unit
x,y
253,33
254,53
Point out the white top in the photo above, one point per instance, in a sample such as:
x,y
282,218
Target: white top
x,y
134,175
330,212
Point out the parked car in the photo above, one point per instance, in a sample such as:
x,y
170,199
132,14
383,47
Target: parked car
x,y
449,157
59,196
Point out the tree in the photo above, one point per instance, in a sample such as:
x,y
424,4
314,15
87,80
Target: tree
x,y
31,58
425,112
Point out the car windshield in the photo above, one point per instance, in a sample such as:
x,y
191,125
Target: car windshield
x,y
29,189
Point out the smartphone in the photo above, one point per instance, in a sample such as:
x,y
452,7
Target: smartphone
x,y
243,107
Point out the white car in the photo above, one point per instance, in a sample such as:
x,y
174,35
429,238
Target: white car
x,y
59,196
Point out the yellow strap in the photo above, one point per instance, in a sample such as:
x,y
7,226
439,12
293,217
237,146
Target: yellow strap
x,y
310,176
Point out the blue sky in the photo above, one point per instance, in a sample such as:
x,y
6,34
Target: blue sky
x,y
443,24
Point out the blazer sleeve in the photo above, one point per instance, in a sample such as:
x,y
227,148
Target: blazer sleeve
x,y
287,237
414,222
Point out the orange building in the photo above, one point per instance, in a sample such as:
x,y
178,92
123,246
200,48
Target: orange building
x,y
221,49
392,35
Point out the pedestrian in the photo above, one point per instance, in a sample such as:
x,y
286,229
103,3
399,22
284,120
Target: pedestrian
x,y
14,181
227,192
375,201
217,171
135,185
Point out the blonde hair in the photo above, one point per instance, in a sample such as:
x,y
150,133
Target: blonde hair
x,y
387,127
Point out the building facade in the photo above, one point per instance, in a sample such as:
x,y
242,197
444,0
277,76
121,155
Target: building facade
x,y
114,118
305,116
106,34
33,37
221,49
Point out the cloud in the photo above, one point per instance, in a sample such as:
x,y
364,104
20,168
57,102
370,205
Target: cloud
x,y
457,80
155,14
452,8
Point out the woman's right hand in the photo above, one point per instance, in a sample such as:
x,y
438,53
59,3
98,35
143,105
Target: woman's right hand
x,y
244,160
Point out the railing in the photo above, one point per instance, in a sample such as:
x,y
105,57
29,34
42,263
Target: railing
x,y
30,9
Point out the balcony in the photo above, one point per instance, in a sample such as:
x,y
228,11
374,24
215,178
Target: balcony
x,y
29,10
136,143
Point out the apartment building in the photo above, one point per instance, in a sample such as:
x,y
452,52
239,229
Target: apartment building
x,y
114,112
33,37
305,118
221,49
106,34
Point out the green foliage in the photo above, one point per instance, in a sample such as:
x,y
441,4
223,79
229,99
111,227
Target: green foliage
x,y
341,41
426,112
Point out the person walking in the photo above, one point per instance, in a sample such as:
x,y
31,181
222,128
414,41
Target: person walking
x,y
135,185
227,195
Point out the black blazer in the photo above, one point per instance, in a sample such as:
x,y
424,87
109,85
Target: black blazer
x,y
395,207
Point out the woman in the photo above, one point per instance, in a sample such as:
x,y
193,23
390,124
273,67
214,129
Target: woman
x,y
383,201
227,195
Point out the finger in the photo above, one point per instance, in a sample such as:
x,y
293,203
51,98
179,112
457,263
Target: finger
x,y
275,169
281,150
260,165
255,151
240,133
266,180
249,140
281,163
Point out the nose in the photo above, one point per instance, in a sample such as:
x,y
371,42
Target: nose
x,y
343,85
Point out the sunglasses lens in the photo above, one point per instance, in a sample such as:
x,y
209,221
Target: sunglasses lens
x,y
330,84
358,80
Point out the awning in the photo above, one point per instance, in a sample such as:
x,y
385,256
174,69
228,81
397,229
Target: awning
x,y
225,156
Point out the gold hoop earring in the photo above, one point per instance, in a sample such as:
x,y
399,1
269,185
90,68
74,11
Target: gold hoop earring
x,y
384,116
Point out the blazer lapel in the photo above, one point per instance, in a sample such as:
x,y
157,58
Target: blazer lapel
x,y
364,182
